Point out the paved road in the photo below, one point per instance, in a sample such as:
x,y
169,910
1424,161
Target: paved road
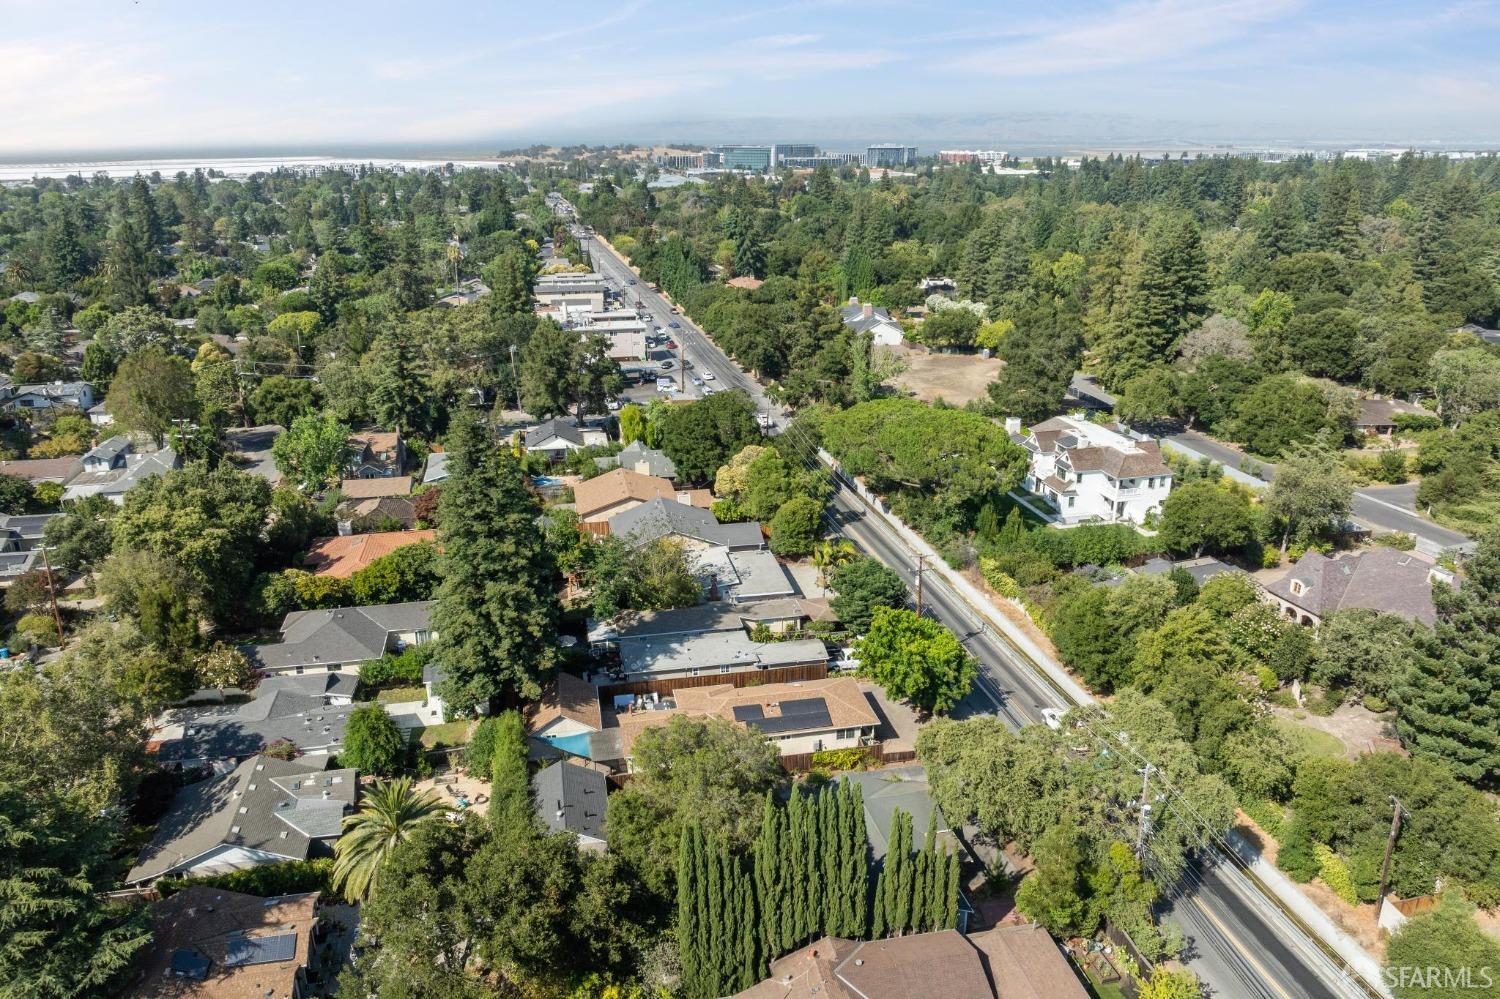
x,y
1381,508
1236,944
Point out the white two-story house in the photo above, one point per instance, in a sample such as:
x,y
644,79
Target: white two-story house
x,y
1090,472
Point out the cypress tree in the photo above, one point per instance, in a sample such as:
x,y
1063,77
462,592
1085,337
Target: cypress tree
x,y
900,882
857,886
751,963
929,907
922,875
689,924
787,880
950,893
715,920
877,928
767,855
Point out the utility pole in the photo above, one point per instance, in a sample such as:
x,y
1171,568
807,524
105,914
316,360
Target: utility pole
x,y
52,593
515,377
1390,846
921,568
1145,823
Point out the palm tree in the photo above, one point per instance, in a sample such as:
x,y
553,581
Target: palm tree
x,y
391,813
829,555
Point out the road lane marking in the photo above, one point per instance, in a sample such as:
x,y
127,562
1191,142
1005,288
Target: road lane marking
x,y
1234,942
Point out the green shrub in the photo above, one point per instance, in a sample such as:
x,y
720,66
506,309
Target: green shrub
x,y
1376,704
396,669
1100,544
853,758
1266,677
1267,814
480,752
1335,874
294,877
1399,540
1298,856
999,581
1417,421
1270,556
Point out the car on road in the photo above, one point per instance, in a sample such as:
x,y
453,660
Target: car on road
x,y
667,364
670,345
632,280
709,390
665,385
1053,717
697,381
709,376
763,420
674,323
614,405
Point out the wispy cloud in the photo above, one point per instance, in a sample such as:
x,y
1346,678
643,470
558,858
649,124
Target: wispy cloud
x,y
1128,35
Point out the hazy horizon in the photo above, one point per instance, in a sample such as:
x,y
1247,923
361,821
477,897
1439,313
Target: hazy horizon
x,y
113,79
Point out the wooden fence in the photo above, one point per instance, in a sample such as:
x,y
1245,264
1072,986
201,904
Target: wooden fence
x,y
797,763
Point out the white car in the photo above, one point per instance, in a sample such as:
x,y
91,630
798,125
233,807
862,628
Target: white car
x,y
1053,717
708,376
614,405
697,381
709,390
763,420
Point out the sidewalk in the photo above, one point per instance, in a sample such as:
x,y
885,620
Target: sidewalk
x,y
1268,884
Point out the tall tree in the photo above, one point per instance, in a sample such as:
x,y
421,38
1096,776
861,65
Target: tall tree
x,y
496,609
399,396
1311,493
151,393
916,659
58,936
1448,706
390,814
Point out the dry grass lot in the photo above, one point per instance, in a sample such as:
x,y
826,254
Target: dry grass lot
x,y
955,378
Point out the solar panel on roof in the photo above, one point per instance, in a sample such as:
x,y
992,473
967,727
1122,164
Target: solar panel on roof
x,y
747,713
260,950
804,706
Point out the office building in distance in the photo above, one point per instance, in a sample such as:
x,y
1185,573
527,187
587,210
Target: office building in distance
x,y
756,158
890,155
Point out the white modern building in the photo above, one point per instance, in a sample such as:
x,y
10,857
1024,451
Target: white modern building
x,y
1090,472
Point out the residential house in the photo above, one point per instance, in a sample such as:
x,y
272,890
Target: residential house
x,y
1202,569
211,943
570,798
601,498
49,395
1377,578
308,711
1377,417
560,435
667,518
37,470
376,454
327,641
866,318
469,291
264,811
343,556
1019,961
249,448
714,639
637,457
99,416
113,467
20,544
903,789
801,717
567,717
380,513
374,488
1092,473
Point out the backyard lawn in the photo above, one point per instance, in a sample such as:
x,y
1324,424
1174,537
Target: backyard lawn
x,y
454,733
399,695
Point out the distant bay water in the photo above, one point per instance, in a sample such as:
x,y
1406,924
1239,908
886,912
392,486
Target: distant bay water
x,y
231,166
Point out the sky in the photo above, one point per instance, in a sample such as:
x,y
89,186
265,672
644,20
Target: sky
x,y
110,76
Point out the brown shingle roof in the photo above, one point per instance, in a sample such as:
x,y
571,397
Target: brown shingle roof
x,y
567,696
204,921
593,496
1120,464
395,485
1024,963
1378,579
342,557
44,469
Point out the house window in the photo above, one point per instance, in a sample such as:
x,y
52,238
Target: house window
x,y
846,733
694,672
1071,500
724,668
421,637
1297,587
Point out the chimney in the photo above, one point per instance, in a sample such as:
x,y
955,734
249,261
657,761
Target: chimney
x,y
868,310
1012,424
853,299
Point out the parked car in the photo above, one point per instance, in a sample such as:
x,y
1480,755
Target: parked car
x,y
1053,717
667,364
709,390
763,420
697,381
614,405
670,345
665,385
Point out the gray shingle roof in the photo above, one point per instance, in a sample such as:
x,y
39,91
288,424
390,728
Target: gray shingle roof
x,y
662,518
339,636
657,462
1378,579
278,711
272,806
564,428
570,798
